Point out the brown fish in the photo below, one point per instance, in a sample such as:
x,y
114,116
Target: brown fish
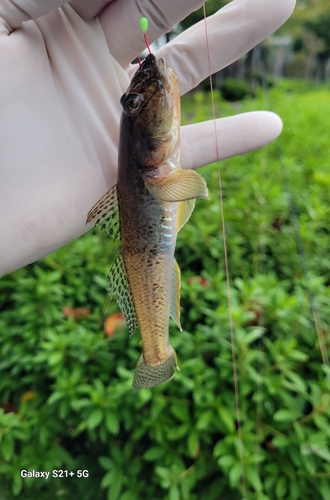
x,y
152,200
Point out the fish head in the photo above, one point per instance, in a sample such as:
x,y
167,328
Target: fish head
x,y
151,104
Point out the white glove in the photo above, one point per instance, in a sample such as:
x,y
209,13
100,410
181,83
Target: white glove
x,y
62,73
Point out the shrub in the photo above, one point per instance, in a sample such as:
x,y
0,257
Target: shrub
x,y
65,386
234,90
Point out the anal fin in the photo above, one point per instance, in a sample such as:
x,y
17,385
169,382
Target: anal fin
x,y
117,284
175,298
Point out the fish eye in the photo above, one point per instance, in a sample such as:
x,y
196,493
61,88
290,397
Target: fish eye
x,y
132,103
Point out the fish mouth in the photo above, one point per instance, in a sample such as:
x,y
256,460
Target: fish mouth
x,y
157,68
151,68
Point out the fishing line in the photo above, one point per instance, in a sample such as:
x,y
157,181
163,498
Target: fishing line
x,y
231,323
261,320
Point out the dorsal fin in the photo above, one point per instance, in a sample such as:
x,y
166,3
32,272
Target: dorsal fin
x,y
106,214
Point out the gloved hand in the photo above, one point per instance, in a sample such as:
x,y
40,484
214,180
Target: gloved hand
x,y
63,69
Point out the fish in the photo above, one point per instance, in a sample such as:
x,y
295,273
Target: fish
x,y
151,201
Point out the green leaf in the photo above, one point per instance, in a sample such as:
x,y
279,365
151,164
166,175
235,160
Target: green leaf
x,y
308,458
298,355
180,412
204,420
55,358
107,479
44,433
95,418
226,461
144,396
226,418
300,431
281,487
162,472
112,422
253,478
79,404
7,446
235,474
128,495
117,453
221,448
21,434
174,493
193,443
286,415
116,486
56,396
106,463
178,432
153,453
280,442
17,483
325,489
254,335
321,452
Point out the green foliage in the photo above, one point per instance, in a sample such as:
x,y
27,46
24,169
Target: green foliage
x,y
65,388
234,90
295,86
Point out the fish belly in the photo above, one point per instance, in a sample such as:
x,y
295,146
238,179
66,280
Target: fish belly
x,y
148,253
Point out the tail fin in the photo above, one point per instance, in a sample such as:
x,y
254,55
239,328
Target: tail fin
x,y
151,375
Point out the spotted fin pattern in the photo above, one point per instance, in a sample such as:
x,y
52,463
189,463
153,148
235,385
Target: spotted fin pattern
x,y
175,299
117,284
106,213
151,375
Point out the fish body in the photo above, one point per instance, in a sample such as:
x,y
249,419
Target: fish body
x,y
152,200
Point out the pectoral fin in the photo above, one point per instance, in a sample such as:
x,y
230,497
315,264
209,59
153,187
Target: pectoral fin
x,y
106,214
117,284
178,186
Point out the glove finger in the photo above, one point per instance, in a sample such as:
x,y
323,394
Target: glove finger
x,y
231,33
235,135
121,24
13,13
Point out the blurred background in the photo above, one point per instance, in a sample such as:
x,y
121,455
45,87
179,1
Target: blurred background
x,y
66,362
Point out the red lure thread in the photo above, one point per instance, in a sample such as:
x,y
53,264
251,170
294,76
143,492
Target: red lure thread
x,y
147,42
